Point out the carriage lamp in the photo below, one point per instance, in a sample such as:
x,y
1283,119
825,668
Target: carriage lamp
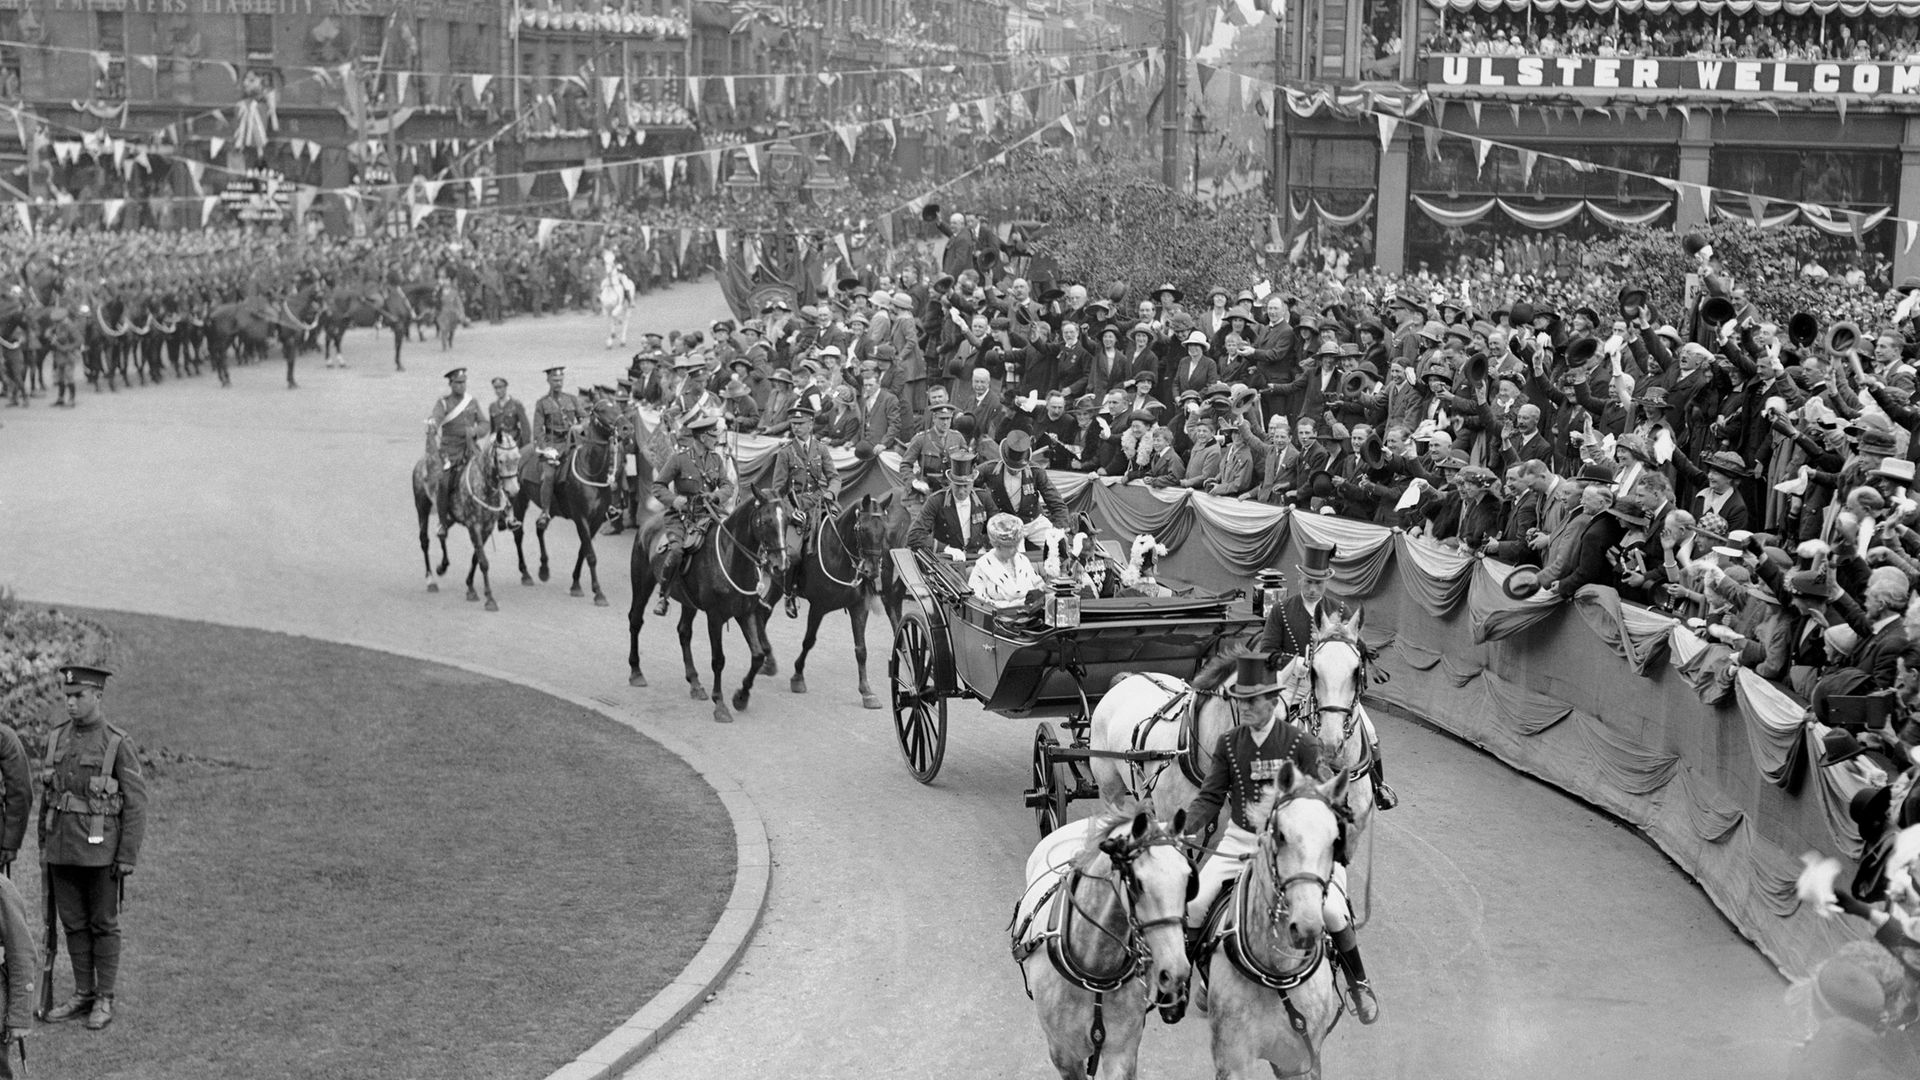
x,y
1269,591
1063,603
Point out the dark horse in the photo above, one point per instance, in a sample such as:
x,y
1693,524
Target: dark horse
x,y
582,493
484,488
721,577
350,306
843,567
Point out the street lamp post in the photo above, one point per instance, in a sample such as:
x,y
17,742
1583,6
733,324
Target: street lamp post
x,y
1198,129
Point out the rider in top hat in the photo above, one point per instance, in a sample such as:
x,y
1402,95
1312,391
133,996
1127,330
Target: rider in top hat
x,y
1245,762
556,416
693,487
453,431
93,814
804,475
1289,633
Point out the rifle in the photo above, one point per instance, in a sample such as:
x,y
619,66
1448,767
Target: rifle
x,y
51,948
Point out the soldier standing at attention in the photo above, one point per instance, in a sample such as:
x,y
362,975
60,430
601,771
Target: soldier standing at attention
x,y
16,797
452,433
93,815
554,418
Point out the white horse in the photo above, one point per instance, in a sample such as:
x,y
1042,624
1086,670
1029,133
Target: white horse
x,y
1268,984
1175,724
1337,667
1098,937
616,298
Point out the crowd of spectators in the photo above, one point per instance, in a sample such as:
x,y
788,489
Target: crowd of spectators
x,y
1723,35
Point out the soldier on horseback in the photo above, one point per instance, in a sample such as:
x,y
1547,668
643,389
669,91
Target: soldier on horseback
x,y
555,419
453,432
1245,761
928,454
695,487
804,475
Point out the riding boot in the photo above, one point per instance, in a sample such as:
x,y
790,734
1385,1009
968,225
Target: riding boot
x,y
546,497
1383,796
791,587
447,478
1366,1007
669,573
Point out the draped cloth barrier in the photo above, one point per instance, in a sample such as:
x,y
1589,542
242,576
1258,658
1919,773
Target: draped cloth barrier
x,y
1550,217
1616,705
1851,10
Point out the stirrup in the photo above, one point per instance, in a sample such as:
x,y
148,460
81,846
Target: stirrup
x,y
660,605
1361,1000
1383,796
793,606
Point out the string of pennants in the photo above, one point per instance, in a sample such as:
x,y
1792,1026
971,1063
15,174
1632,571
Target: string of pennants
x,y
1391,112
918,73
1016,104
423,194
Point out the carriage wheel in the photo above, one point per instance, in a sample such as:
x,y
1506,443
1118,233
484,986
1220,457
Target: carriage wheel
x,y
1048,796
919,713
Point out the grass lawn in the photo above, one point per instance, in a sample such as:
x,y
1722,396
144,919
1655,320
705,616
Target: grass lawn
x,y
370,867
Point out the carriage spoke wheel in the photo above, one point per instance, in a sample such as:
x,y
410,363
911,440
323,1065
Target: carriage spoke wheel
x,y
919,713
1048,796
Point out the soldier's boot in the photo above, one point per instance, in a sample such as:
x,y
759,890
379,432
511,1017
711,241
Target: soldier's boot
x,y
1383,796
791,589
669,573
1366,1007
102,1013
546,496
77,1005
446,501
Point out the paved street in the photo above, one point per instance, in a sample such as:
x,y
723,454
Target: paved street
x,y
1517,933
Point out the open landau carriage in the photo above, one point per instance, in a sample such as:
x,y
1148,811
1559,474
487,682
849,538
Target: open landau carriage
x,y
951,644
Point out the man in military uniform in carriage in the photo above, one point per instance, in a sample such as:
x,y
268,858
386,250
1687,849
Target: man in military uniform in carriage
x,y
696,487
804,475
556,416
453,432
928,455
1289,633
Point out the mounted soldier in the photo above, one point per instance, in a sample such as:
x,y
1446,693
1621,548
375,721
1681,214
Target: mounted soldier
x,y
696,486
804,475
556,416
453,431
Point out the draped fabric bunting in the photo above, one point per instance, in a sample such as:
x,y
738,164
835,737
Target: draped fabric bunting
x,y
1704,664
1529,711
1774,720
1637,636
1492,614
1361,551
1551,217
1626,219
1316,210
1711,819
1440,579
1852,9
1242,533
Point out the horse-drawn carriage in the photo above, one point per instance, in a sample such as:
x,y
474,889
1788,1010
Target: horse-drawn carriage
x,y
952,644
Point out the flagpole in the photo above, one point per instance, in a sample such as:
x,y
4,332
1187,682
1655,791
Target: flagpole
x,y
1173,81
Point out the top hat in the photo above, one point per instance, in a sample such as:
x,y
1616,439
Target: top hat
x,y
1715,310
1253,676
1316,561
1015,448
930,212
1802,328
962,465
1632,298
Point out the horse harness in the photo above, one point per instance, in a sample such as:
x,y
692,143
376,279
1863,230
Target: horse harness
x,y
1057,935
1350,713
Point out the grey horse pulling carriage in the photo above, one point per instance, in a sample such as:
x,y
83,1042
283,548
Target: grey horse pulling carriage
x,y
951,644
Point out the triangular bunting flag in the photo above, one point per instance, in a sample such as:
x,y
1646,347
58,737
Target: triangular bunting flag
x,y
1388,125
712,158
400,87
1066,122
480,84
303,197
110,211
1480,149
570,179
646,237
417,213
194,171
1757,207
479,186
693,92
25,214
840,241
918,75
720,240
459,220
780,92
849,134
606,139
1473,109
1840,106
1431,134
686,241
103,60
893,133
206,209
1908,231
609,89
1686,113
1527,159
215,145
727,82
544,231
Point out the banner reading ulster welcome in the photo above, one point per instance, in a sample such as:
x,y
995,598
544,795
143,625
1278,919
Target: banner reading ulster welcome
x,y
1626,75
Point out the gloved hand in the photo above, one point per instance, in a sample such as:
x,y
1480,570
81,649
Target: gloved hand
x,y
956,554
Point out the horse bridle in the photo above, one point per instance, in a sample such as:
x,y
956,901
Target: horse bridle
x,y
760,560
1281,906
1125,884
866,564
1351,711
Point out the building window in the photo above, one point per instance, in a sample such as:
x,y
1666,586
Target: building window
x,y
110,37
373,37
259,33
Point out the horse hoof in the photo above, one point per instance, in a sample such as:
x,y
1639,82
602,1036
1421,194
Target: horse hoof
x,y
768,667
543,573
869,701
525,580
491,606
636,679
599,599
576,591
798,685
740,699
720,714
697,692
472,597
433,586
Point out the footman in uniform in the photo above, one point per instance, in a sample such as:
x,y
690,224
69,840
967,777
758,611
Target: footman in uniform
x,y
93,816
